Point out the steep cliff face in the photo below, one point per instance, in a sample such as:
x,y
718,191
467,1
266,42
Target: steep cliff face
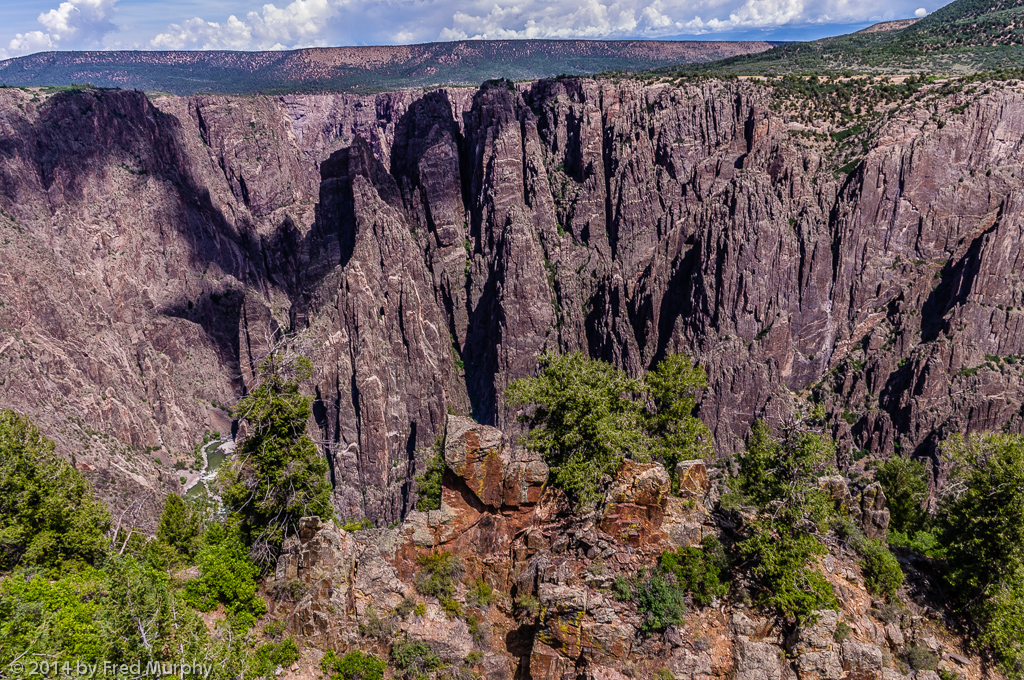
x,y
424,248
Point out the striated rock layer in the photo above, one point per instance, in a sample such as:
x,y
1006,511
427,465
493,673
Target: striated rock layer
x,y
424,247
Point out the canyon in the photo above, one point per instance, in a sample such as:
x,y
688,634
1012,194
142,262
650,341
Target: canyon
x,y
423,248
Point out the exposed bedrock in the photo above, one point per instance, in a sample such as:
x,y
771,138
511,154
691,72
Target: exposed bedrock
x,y
425,248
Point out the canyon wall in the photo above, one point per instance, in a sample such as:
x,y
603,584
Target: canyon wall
x,y
423,248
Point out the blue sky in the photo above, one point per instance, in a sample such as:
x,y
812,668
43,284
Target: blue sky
x,y
38,25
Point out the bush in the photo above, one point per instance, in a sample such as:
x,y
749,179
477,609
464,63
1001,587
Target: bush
x,y
589,415
414,659
430,482
784,538
982,519
48,515
698,570
673,387
274,629
273,655
438,575
373,626
405,607
905,483
527,605
354,525
922,542
355,665
657,598
180,526
279,474
882,573
920,658
226,576
125,611
585,421
480,594
477,630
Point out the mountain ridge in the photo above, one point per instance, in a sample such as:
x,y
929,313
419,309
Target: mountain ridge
x,y
965,36
357,69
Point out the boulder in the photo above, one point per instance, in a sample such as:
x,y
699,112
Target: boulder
x,y
862,659
757,661
477,453
635,503
874,516
480,455
693,478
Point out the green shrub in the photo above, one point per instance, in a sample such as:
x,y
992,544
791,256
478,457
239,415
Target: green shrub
x,y
920,658
882,573
355,665
589,415
353,525
983,533
843,631
226,576
125,611
405,607
181,526
374,626
785,537
676,433
474,657
657,598
905,483
269,657
430,482
48,515
477,629
698,570
452,607
585,421
480,594
274,629
414,659
527,605
922,542
439,573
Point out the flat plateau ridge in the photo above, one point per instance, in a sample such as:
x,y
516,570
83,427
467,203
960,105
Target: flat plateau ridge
x,y
372,68
426,246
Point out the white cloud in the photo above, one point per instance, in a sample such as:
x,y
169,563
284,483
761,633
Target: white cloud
x,y
496,19
73,24
298,24
238,25
920,12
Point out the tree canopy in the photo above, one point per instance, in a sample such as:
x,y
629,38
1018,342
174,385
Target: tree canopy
x,y
588,416
48,515
786,536
278,474
982,519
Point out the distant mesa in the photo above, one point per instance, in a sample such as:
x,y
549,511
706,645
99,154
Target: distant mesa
x,y
360,69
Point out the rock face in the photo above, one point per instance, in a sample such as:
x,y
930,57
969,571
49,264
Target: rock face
x,y
424,248
553,614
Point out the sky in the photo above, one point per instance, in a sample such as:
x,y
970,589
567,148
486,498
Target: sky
x,y
28,26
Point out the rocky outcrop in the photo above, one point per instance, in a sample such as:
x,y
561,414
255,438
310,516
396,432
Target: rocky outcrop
x,y
553,614
424,248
